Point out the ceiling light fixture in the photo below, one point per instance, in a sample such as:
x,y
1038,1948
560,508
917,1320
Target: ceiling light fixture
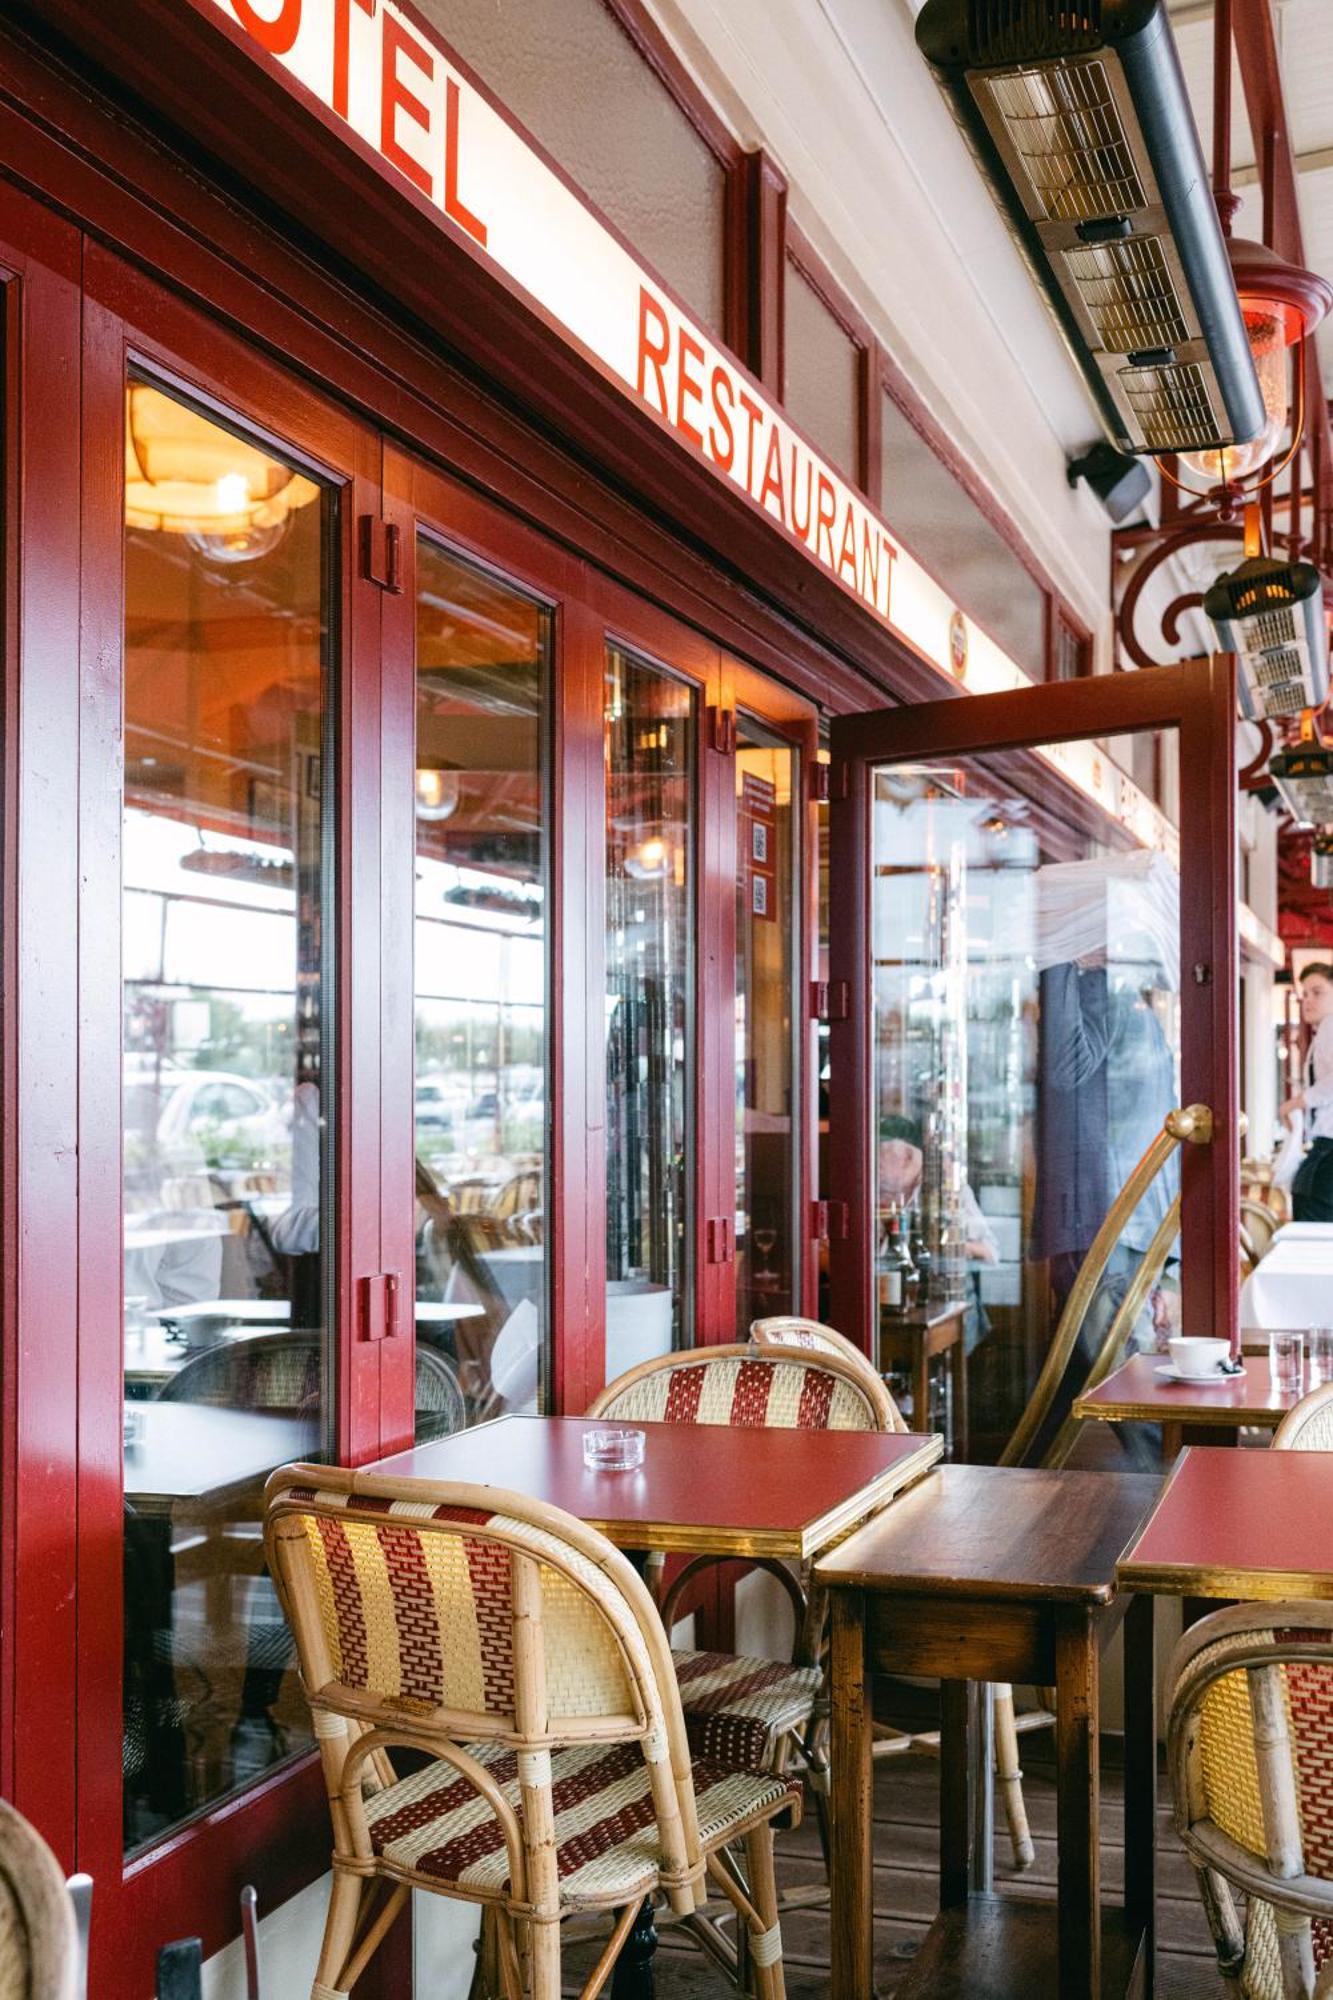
x,y
1079,119
185,475
1270,614
438,793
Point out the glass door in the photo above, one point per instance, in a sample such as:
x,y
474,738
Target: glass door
x,y
1032,964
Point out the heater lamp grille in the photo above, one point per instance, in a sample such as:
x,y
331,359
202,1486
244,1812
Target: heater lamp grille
x,y
1065,126
1129,294
1271,669
1008,30
1169,404
1269,629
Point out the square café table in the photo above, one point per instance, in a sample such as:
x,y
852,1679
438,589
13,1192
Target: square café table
x,y
991,1573
703,1489
1238,1524
1189,1412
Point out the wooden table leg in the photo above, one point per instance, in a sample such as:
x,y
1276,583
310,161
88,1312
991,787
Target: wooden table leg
x,y
1078,1803
851,1877
1140,1776
958,1365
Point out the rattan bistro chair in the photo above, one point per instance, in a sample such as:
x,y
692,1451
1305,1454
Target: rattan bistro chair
x,y
520,1652
789,1330
1308,1426
1250,1752
754,1713
39,1944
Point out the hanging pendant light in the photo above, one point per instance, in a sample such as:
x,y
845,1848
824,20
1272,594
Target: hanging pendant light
x,y
185,475
438,793
1281,306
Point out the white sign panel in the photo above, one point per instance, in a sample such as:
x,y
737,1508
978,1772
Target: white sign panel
x,y
380,69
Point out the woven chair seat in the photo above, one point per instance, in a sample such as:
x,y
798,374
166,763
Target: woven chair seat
x,y
738,1710
436,1824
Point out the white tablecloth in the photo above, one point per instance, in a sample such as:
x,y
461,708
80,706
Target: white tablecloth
x,y
1293,1286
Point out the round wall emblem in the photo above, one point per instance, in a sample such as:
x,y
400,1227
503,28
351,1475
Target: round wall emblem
x,y
958,644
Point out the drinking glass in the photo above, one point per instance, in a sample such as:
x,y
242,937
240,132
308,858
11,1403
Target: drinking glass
x,y
1287,1355
1321,1355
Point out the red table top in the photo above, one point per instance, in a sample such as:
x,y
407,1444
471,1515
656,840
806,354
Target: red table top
x,y
702,1488
1238,1524
1137,1391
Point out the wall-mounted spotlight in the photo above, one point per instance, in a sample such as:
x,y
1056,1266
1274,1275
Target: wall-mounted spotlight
x,y
1121,483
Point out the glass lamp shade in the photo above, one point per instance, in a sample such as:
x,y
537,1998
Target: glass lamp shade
x,y
1267,323
437,793
184,475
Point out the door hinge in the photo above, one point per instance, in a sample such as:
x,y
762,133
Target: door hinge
x,y
828,1221
819,784
830,999
382,553
719,1244
722,730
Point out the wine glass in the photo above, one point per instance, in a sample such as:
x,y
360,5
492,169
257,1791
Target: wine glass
x,y
765,1242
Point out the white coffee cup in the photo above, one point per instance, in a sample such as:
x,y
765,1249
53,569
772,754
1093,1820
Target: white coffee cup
x,y
1198,1358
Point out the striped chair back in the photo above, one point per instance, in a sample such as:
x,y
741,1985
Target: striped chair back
x,y
1309,1425
1250,1749
481,1627
39,1947
746,1387
284,1372
788,1330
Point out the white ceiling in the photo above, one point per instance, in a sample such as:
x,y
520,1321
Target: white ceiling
x,y
1304,31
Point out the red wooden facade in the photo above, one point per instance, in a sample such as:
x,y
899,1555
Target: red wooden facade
x,y
116,247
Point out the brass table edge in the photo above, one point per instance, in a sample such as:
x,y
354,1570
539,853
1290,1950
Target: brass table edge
x,y
1212,1580
1197,1416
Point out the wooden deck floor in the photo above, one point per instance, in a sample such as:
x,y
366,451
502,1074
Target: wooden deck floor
x,y
905,1890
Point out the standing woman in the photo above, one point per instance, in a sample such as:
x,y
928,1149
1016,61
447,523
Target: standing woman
x,y
1312,1189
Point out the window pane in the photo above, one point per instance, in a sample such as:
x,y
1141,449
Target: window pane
x,y
1026,1050
767,931
649,1026
823,374
226,666
483,660
570,73
945,529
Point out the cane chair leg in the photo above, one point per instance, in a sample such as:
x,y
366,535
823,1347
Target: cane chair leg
x,y
544,1960
340,1927
1010,1775
766,1943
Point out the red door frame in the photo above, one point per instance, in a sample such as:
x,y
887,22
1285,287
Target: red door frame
x,y
1196,699
127,319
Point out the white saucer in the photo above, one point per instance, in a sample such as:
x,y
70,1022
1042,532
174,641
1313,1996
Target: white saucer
x,y
1169,1374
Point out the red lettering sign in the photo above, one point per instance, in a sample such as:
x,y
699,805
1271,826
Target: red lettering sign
x,y
277,35
396,97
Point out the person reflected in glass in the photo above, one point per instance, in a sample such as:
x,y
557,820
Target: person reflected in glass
x,y
1312,1189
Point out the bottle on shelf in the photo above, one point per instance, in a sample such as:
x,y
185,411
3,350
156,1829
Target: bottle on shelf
x,y
918,1249
897,1273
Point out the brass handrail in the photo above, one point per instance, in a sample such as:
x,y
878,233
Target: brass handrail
x,y
1192,1125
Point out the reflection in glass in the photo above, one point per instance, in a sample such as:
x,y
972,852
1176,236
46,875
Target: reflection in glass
x,y
766,933
226,641
1026,982
483,652
649,1032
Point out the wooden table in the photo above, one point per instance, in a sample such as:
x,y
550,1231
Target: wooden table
x,y
912,1340
985,1573
1243,1524
1189,1412
703,1489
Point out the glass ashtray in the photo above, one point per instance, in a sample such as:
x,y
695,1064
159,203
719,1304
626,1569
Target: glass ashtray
x,y
613,1448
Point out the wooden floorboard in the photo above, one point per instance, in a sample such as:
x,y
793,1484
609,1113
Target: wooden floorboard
x,y
906,1821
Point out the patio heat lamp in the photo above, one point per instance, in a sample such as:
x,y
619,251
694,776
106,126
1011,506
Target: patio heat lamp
x,y
1270,614
1303,775
1079,119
